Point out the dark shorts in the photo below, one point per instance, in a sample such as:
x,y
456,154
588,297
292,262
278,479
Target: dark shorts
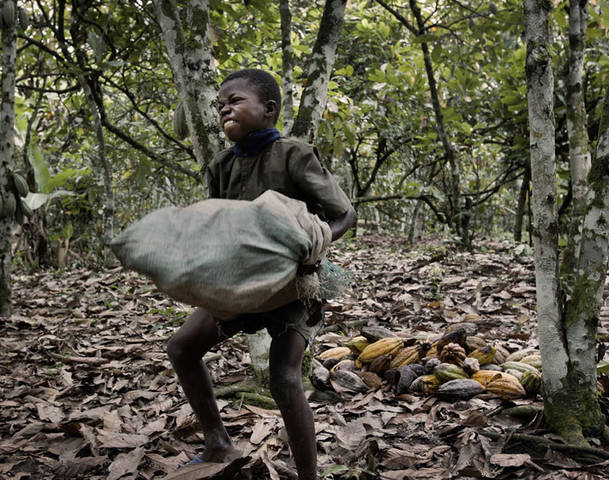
x,y
306,319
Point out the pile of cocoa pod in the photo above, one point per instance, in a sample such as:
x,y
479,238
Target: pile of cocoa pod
x,y
454,366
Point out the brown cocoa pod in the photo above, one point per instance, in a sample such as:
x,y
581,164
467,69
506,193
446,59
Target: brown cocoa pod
x,y
380,364
371,379
407,376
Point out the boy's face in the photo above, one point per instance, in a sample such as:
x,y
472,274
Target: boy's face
x,y
242,111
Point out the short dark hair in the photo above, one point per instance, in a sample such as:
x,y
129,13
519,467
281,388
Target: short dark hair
x,y
267,86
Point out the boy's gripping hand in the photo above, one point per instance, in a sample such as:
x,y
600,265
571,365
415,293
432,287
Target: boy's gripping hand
x,y
340,225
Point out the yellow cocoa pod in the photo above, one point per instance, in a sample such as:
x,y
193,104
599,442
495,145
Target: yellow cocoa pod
x,y
406,356
337,353
507,387
357,344
533,360
484,355
387,345
485,376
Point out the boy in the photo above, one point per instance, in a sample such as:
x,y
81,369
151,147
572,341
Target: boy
x,y
249,103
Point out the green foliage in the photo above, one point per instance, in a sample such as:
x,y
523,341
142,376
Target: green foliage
x,y
379,132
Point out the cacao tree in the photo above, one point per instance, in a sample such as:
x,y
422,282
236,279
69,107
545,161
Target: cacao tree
x,y
568,298
8,196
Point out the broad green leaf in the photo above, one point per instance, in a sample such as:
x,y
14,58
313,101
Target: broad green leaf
x,y
36,200
41,170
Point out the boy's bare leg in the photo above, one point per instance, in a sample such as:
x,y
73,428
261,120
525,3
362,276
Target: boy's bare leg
x,y
285,364
186,348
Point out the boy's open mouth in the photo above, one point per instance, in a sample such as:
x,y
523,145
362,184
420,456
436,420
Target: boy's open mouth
x,y
229,123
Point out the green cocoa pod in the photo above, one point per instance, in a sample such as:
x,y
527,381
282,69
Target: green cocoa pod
x,y
8,14
531,381
10,205
447,371
25,208
21,187
180,127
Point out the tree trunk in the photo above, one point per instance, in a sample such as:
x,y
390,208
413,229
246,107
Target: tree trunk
x,y
577,128
313,100
106,170
7,146
522,203
287,67
566,337
455,210
195,76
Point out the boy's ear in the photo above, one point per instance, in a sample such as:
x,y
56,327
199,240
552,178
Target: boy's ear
x,y
271,108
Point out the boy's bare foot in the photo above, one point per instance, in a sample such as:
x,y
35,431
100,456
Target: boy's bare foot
x,y
218,455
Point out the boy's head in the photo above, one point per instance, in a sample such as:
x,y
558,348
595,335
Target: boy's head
x,y
249,100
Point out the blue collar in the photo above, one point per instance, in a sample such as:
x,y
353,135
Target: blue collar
x,y
255,142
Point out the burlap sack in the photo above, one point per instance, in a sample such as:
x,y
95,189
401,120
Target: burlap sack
x,y
229,256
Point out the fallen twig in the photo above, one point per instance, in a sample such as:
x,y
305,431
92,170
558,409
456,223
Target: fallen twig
x,y
75,359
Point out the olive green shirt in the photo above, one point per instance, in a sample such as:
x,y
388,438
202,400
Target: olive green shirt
x,y
288,166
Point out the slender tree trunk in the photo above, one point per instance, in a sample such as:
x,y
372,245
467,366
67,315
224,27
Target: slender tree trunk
x,y
313,100
566,337
287,66
195,76
106,170
7,146
577,128
522,203
91,89
451,156
454,210
412,229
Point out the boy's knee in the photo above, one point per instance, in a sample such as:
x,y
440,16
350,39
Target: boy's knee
x,y
179,353
284,387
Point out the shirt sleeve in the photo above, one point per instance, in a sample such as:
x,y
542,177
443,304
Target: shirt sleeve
x,y
212,182
318,184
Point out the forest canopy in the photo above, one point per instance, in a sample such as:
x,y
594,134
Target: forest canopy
x,y
415,158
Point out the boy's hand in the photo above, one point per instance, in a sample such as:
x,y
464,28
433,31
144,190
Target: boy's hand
x,y
340,225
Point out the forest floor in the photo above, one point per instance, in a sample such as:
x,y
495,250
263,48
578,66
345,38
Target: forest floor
x,y
87,391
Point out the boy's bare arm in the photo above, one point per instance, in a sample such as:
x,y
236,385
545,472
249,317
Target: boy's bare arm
x,y
343,223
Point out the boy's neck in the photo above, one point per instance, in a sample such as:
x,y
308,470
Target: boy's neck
x,y
255,142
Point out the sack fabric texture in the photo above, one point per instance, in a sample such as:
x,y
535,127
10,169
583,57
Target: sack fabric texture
x,y
228,256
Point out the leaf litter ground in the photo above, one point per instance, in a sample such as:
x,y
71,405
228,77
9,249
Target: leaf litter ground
x,y
87,390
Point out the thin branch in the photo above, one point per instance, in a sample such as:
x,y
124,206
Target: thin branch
x,y
398,16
